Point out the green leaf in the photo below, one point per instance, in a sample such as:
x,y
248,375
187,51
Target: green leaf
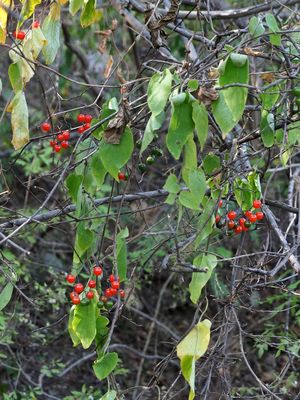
x,y
223,114
153,124
84,239
256,27
98,170
89,14
211,163
246,190
269,97
193,84
189,159
5,295
73,184
171,184
122,253
115,156
105,365
28,9
275,38
111,395
19,120
15,76
197,186
190,349
200,118
84,322
75,339
200,279
206,221
51,30
267,128
181,124
75,6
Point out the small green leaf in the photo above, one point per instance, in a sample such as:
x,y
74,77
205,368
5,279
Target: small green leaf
x,y
122,253
275,38
115,156
171,184
5,295
269,97
84,239
105,365
223,114
51,30
200,118
181,124
75,6
111,395
193,84
98,170
197,186
200,279
256,27
189,159
75,339
211,163
267,128
206,221
28,8
73,184
84,322
15,76
89,13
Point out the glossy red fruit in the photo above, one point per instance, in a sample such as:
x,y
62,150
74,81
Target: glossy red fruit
x,y
76,300
231,224
78,288
108,292
52,143
81,118
220,203
60,137
73,294
252,218
217,219
260,215
111,278
86,126
122,293
242,221
88,118
248,213
66,135
19,35
115,285
80,130
122,176
98,270
256,203
70,278
113,291
64,144
57,148
35,25
238,229
45,127
245,229
231,215
90,295
92,284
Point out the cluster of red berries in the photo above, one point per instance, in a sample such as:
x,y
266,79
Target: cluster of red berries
x,y
78,288
62,139
241,224
20,35
85,120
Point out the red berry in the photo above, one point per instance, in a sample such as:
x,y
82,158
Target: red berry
x,y
64,144
52,143
122,176
66,135
238,229
45,127
245,229
231,215
259,215
113,291
57,148
220,203
242,221
248,213
252,218
231,224
88,118
73,294
98,270
78,288
76,300
256,203
81,118
19,35
217,219
108,292
122,293
115,285
111,278
35,24
90,295
60,137
86,126
80,130
92,284
70,278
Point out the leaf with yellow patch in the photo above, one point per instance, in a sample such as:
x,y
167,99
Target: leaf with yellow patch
x,y
19,120
5,6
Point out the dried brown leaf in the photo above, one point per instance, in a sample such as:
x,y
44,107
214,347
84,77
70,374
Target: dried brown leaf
x,y
207,95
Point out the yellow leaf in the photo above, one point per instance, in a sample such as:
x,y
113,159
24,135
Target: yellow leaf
x,y
5,5
19,120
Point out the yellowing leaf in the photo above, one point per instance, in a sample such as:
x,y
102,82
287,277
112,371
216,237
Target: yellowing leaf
x,y
5,5
28,9
19,120
51,30
190,349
